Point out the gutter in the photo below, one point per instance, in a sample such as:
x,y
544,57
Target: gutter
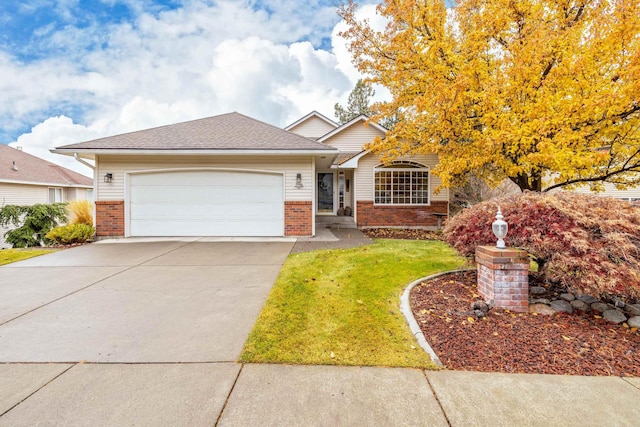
x,y
158,152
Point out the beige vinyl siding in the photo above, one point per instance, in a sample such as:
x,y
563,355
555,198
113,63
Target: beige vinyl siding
x,y
290,165
313,127
611,191
364,177
354,137
23,194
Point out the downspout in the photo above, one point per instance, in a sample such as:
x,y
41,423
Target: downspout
x,y
84,162
95,186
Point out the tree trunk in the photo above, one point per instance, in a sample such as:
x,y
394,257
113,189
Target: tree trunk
x,y
528,182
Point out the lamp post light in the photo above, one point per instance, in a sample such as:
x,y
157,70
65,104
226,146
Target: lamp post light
x,y
500,229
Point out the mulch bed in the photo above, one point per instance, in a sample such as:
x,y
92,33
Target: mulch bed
x,y
402,233
504,341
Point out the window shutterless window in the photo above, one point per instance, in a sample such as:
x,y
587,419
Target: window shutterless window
x,y
55,195
401,183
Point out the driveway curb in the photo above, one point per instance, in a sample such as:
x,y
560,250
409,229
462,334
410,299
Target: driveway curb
x,y
405,308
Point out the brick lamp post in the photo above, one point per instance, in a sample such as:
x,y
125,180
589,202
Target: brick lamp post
x,y
503,273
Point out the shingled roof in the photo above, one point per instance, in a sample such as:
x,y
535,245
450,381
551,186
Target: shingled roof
x,y
18,166
226,132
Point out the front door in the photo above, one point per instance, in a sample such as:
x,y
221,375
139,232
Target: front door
x,y
325,192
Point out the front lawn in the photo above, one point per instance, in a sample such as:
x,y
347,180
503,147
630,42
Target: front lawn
x,y
7,256
342,306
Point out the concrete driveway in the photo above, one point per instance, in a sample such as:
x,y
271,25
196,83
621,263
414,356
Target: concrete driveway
x,y
146,320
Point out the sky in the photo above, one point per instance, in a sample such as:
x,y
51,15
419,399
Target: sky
x,y
76,70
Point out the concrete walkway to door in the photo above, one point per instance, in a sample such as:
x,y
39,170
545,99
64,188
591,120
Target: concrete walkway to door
x,y
130,332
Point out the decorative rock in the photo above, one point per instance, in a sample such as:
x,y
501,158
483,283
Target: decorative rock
x,y
541,309
540,301
567,297
617,302
634,322
537,290
600,307
587,298
632,309
580,305
480,309
614,316
562,306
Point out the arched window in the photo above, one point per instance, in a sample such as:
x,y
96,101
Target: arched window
x,y
401,183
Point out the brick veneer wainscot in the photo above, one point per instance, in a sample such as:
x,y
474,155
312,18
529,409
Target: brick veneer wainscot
x,y
110,218
372,215
503,276
298,218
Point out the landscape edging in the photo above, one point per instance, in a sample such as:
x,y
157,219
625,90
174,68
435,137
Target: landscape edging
x,y
405,308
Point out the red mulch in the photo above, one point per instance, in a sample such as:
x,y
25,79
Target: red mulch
x,y
402,233
504,341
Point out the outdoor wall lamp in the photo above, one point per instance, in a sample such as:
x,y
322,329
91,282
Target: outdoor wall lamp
x,y
299,181
108,177
500,229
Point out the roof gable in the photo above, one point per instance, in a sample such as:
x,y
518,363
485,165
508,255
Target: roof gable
x,y
18,166
313,125
226,132
361,120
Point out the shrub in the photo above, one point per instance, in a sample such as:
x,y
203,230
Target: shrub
x,y
588,243
80,212
71,233
32,223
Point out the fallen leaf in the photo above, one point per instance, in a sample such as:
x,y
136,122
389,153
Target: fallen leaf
x,y
470,319
332,355
566,338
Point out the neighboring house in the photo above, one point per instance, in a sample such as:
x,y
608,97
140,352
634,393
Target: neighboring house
x,y
28,180
231,175
630,194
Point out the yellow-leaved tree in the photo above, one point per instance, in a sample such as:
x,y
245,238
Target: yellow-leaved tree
x,y
545,93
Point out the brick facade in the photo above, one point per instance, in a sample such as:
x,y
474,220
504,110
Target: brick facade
x,y
370,215
110,218
503,276
298,218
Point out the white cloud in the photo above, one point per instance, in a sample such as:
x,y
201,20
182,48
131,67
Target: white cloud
x,y
201,60
54,132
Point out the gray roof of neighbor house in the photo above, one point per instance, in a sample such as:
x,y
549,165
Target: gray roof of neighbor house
x,y
20,167
232,132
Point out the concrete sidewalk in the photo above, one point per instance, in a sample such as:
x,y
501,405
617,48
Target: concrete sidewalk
x,y
229,394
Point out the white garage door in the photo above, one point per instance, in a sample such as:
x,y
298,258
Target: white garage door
x,y
206,203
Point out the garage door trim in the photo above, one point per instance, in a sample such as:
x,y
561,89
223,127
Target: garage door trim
x,y
127,186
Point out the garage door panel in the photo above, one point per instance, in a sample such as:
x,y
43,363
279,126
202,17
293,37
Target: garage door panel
x,y
206,203
216,212
201,228
209,194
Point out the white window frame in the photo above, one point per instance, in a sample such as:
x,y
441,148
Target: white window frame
x,y
56,191
413,168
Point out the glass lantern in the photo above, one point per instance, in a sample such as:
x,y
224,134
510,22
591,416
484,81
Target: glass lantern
x,y
500,229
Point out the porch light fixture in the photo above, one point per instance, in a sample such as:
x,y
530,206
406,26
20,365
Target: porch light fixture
x,y
500,229
108,177
299,181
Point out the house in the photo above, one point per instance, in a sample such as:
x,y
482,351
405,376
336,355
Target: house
x,y
27,180
232,175
630,194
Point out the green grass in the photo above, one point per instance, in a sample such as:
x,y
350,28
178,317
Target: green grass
x,y
342,306
7,256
